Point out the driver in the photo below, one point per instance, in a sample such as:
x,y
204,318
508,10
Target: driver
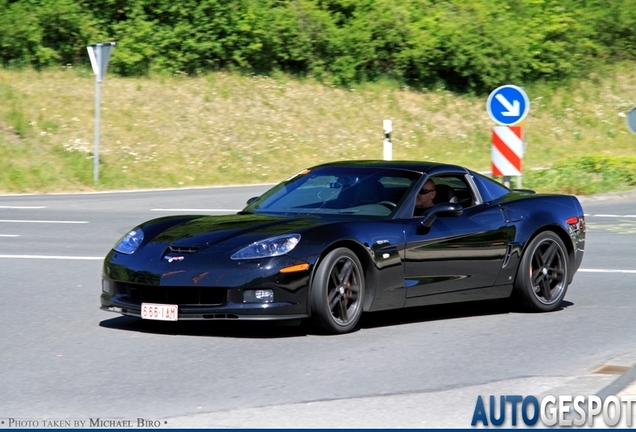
x,y
424,199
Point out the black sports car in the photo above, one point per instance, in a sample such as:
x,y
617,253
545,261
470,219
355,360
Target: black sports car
x,y
340,239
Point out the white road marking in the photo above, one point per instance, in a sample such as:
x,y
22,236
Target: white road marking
x,y
51,257
194,210
41,221
22,207
606,271
9,235
81,258
610,216
237,210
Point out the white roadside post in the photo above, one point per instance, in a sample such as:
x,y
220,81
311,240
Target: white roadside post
x,y
388,147
99,54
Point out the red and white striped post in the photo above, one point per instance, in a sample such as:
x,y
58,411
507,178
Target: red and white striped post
x,y
506,153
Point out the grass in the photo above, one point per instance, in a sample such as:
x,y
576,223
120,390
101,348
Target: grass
x,y
220,129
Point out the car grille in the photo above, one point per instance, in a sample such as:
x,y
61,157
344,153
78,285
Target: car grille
x,y
182,296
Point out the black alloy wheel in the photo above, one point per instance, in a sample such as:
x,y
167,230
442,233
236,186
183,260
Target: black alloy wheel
x,y
542,277
337,291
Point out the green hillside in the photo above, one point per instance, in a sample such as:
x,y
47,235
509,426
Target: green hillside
x,y
208,92
222,128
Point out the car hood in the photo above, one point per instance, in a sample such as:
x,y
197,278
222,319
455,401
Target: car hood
x,y
202,232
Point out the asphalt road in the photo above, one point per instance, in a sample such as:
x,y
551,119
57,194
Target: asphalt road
x,y
64,359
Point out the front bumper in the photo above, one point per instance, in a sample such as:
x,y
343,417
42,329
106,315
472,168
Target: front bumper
x,y
209,303
207,315
205,287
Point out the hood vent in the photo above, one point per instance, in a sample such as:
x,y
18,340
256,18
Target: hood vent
x,y
183,249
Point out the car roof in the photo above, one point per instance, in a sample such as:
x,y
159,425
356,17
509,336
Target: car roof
x,y
417,166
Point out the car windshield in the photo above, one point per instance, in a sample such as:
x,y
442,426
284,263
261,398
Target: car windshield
x,y
363,191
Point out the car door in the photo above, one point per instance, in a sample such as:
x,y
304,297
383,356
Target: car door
x,y
455,255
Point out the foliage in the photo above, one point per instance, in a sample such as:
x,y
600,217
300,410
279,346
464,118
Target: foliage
x,y
586,175
227,128
613,25
23,168
470,45
41,33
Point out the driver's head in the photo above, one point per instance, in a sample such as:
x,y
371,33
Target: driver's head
x,y
425,195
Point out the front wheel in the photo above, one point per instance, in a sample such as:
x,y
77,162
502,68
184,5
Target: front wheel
x,y
542,277
337,291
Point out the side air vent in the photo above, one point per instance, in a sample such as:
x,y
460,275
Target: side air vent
x,y
507,257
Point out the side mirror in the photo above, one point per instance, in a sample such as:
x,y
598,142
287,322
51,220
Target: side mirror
x,y
251,200
441,209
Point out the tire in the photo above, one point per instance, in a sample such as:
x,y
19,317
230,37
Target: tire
x,y
337,292
542,276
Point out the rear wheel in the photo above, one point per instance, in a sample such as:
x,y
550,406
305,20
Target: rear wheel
x,y
542,277
337,291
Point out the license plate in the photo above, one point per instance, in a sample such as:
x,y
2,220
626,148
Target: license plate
x,y
160,312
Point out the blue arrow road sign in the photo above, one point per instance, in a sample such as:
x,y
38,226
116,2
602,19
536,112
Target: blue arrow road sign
x,y
508,105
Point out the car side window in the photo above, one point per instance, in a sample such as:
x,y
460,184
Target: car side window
x,y
453,189
489,188
395,187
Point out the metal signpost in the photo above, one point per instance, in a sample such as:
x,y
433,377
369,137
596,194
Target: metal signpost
x,y
508,105
631,120
99,54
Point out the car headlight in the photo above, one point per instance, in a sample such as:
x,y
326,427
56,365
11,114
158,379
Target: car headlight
x,y
270,247
130,242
